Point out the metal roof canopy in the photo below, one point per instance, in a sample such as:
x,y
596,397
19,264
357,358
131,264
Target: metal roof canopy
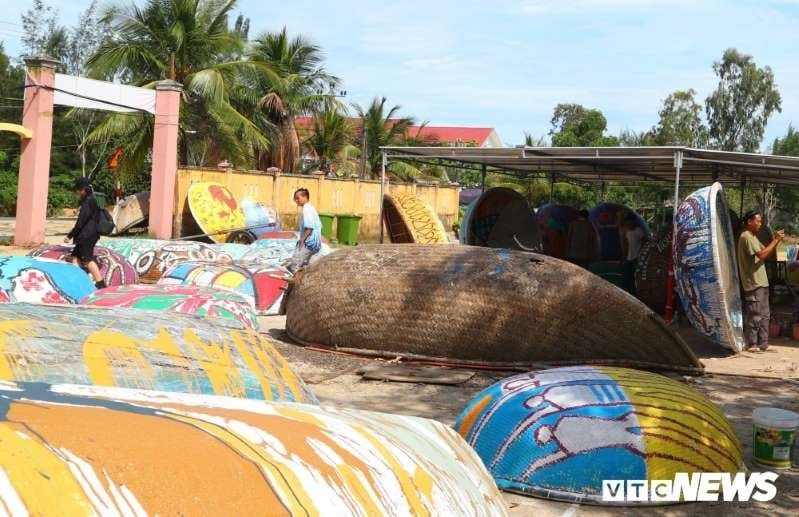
x,y
672,164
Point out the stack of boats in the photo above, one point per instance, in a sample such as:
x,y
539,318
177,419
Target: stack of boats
x,y
158,395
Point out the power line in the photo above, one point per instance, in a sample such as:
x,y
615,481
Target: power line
x,y
101,101
63,146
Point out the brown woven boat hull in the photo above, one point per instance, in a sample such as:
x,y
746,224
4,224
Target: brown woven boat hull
x,y
473,305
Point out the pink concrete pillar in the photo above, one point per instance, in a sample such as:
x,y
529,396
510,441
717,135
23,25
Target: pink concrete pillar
x,y
165,158
34,163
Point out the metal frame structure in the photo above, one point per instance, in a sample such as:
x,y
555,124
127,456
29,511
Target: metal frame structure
x,y
587,165
591,165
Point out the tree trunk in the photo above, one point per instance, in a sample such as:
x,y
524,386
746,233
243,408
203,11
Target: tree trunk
x,y
289,147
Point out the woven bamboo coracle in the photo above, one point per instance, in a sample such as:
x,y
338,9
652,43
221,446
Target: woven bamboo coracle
x,y
410,219
472,305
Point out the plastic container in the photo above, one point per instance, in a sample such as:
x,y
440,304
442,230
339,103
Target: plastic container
x,y
327,225
774,437
347,231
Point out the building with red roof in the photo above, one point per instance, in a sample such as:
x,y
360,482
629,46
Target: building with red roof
x,y
454,136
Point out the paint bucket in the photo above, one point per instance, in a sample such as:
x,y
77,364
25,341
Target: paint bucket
x,y
774,434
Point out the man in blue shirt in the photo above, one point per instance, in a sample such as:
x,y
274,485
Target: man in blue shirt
x,y
310,232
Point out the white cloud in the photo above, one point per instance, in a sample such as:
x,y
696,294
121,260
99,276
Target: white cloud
x,y
430,62
540,7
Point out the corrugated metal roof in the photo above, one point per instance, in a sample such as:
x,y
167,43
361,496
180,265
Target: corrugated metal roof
x,y
595,164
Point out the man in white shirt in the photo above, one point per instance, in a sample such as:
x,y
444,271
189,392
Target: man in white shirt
x,y
632,241
310,241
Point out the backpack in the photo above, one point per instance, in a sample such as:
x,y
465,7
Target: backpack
x,y
105,223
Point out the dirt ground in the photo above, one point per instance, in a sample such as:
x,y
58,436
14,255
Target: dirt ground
x,y
736,383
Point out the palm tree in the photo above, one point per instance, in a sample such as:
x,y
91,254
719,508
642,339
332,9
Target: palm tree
x,y
295,89
330,136
382,128
533,141
187,41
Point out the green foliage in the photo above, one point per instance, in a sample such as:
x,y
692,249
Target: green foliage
x,y
533,141
42,33
8,193
383,127
787,145
289,81
680,121
61,194
12,79
739,108
575,126
187,41
787,201
631,138
329,137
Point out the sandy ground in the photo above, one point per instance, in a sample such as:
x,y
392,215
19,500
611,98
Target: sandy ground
x,y
54,233
737,383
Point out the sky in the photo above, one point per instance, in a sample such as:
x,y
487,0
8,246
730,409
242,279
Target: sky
x,y
507,63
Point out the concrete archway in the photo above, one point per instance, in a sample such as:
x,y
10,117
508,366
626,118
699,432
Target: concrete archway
x,y
37,119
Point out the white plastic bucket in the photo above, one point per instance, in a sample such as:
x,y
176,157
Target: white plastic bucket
x,y
774,436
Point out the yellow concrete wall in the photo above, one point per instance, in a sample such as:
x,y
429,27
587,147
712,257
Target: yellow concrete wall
x,y
336,196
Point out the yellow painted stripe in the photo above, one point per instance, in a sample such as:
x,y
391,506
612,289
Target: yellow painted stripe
x,y
471,416
366,502
258,367
405,481
99,349
42,480
667,442
215,359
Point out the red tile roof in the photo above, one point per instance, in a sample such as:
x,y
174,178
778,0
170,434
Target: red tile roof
x,y
451,134
440,134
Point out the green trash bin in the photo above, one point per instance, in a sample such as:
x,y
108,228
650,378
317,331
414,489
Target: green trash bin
x,y
327,225
348,225
100,197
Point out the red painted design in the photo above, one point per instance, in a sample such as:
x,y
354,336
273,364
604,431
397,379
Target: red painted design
x,y
221,195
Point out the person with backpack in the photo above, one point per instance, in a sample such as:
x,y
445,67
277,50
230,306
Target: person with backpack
x,y
85,233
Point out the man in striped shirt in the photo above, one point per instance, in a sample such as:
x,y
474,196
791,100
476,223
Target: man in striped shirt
x,y
310,232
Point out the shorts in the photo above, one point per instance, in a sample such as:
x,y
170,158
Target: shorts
x,y
301,257
84,251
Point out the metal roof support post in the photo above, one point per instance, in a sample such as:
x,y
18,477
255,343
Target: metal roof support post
x,y
668,314
551,186
483,179
743,190
677,169
382,192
